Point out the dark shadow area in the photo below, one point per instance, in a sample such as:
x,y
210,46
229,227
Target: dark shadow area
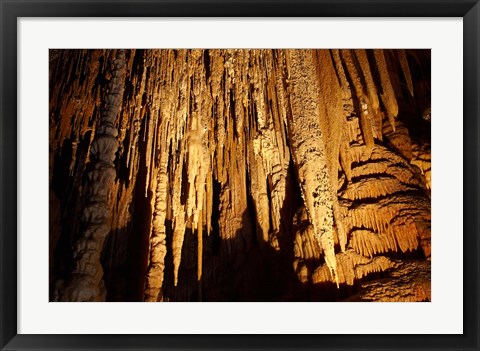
x,y
67,180
138,238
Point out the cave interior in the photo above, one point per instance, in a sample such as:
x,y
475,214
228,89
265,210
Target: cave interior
x,y
239,175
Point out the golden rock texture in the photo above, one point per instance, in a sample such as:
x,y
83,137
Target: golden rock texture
x,y
239,175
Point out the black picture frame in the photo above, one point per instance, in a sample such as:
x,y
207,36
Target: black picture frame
x,y
11,10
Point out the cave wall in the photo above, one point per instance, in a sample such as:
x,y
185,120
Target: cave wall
x,y
239,175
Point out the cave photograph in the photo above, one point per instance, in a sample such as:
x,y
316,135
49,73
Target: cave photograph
x,y
239,175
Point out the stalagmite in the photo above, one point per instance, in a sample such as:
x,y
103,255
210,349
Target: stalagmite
x,y
158,247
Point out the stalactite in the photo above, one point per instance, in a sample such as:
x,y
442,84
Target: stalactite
x,y
138,114
374,107
178,222
398,139
332,119
402,58
344,155
306,248
369,243
352,266
217,89
269,159
394,216
309,152
345,158
86,280
364,188
367,75
366,113
260,157
422,159
203,164
387,94
347,93
409,281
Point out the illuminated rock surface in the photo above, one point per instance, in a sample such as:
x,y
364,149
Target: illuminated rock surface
x,y
240,175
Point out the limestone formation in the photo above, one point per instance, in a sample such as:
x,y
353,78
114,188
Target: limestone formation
x,y
240,175
86,280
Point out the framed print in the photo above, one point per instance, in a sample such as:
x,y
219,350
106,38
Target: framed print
x,y
249,175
